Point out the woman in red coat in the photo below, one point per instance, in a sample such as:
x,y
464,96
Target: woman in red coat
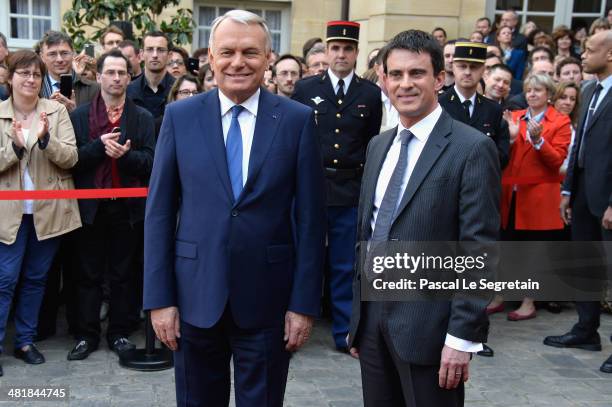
x,y
539,138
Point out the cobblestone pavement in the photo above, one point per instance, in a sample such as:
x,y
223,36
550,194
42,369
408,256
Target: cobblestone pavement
x,y
523,372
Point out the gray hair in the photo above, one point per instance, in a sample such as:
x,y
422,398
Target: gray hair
x,y
540,79
244,17
316,49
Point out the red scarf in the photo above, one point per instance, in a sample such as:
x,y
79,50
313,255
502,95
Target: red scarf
x,y
107,173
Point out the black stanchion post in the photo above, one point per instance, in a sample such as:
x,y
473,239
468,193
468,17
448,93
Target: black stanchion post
x,y
148,359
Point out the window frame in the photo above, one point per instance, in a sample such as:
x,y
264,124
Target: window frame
x,y
284,8
5,23
563,13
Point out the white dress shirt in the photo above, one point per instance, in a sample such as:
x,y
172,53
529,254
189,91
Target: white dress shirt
x,y
334,80
28,185
246,119
463,99
391,114
421,131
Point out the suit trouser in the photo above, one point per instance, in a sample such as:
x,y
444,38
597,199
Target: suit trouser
x,y
26,261
388,381
341,238
586,227
110,242
202,365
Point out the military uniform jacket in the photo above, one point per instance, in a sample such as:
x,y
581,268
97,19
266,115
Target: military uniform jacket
x,y
486,117
344,130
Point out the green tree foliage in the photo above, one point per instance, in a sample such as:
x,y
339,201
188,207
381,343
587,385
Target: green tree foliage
x,y
143,14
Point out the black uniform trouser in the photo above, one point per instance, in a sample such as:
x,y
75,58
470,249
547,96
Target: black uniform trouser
x,y
586,227
109,243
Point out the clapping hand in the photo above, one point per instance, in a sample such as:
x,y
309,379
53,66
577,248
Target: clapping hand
x,y
44,126
513,125
17,134
112,147
535,131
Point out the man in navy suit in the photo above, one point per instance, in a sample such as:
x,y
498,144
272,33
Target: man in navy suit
x,y
238,273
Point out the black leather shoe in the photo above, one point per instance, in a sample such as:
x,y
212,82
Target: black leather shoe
x,y
121,344
606,367
486,351
570,340
31,355
81,350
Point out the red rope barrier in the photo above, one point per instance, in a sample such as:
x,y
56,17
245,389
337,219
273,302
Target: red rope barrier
x,y
74,194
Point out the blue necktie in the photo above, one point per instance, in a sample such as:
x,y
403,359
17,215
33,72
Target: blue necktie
x,y
233,151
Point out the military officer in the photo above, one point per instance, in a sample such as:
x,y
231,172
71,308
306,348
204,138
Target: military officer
x,y
348,113
463,103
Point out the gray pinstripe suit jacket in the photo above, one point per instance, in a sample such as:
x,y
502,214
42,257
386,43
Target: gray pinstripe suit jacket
x,y
452,195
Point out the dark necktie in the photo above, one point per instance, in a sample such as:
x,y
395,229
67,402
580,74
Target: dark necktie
x,y
340,93
589,115
233,151
390,201
466,106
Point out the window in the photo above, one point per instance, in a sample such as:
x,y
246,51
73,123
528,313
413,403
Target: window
x,y
548,14
28,20
275,18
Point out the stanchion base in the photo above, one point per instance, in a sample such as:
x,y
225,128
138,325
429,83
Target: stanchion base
x,y
138,359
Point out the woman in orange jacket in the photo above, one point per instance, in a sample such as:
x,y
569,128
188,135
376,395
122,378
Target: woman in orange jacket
x,y
539,138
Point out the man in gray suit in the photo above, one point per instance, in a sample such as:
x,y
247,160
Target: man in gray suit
x,y
431,178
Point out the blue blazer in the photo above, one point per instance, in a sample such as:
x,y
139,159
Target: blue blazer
x,y
261,255
516,63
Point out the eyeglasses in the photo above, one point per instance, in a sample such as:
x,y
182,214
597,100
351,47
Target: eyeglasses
x,y
27,74
187,92
112,73
177,62
319,65
63,54
287,74
151,50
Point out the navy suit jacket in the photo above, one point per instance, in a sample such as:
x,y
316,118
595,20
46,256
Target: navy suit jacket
x,y
262,254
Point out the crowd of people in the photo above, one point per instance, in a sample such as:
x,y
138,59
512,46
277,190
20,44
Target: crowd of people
x,y
76,119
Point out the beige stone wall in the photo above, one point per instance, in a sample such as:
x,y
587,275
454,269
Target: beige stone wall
x,y
309,19
382,19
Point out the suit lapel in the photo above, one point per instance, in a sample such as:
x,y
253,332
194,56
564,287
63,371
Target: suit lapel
x,y
602,106
266,126
584,108
210,120
477,111
377,158
434,147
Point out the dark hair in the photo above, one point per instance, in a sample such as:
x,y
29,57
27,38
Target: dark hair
x,y
114,53
199,52
23,59
177,85
289,56
567,61
487,19
561,87
52,38
415,41
157,34
309,44
181,52
129,43
111,29
502,67
493,55
202,72
551,56
439,29
3,40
